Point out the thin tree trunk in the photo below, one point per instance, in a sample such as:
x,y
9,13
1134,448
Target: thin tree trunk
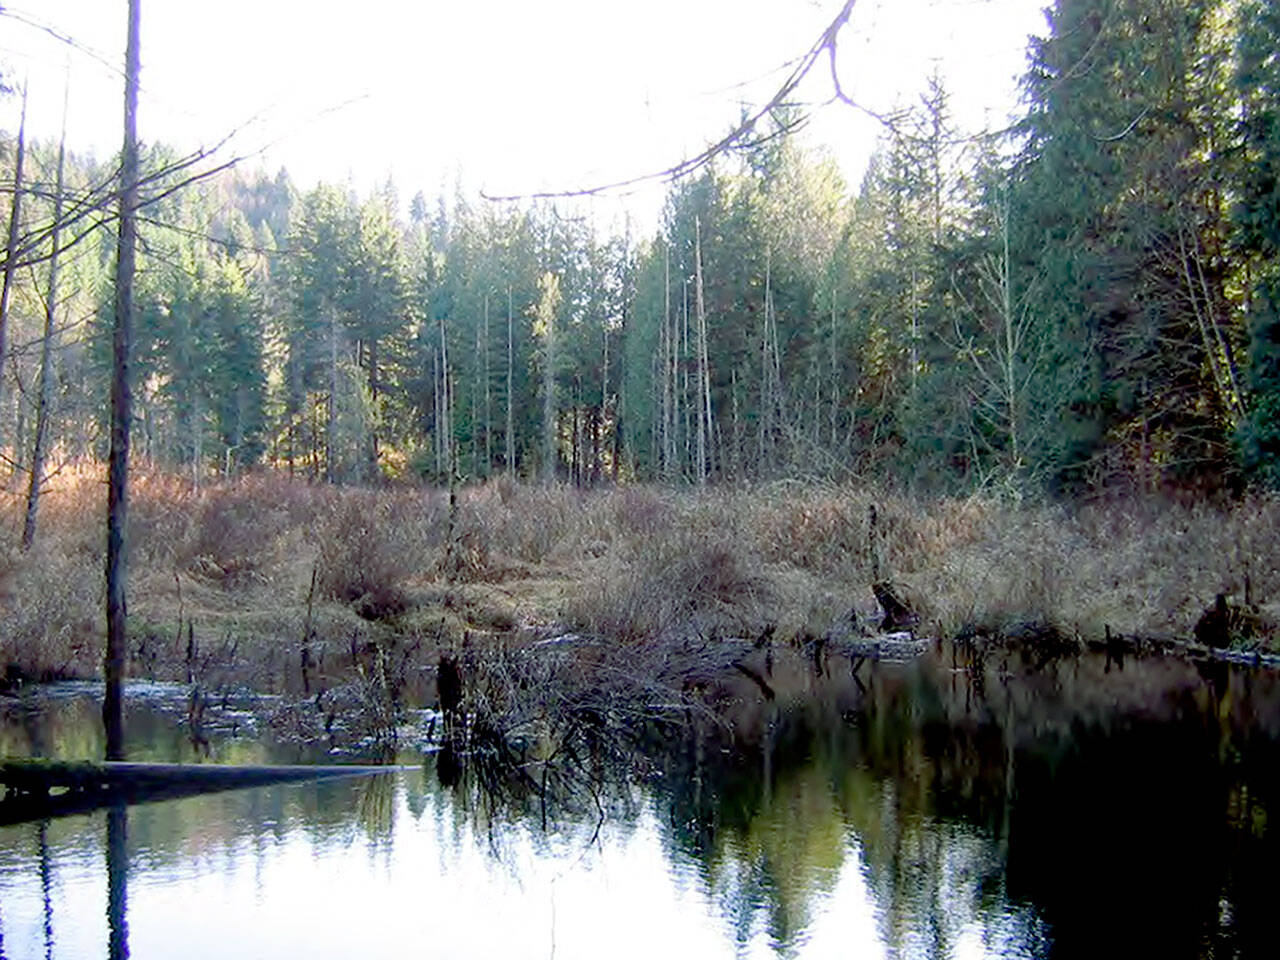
x,y
684,379
915,335
736,462
121,403
488,395
575,461
617,433
835,378
44,388
655,421
319,444
474,401
436,405
598,468
197,441
373,419
549,414
1010,346
705,437
511,439
668,375
15,225
331,411
766,396
446,395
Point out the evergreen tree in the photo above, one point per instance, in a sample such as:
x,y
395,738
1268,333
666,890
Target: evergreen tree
x,y
1258,231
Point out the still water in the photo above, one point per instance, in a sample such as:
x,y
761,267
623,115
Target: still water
x,y
950,807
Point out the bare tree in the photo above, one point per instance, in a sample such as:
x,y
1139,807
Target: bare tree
x,y
488,394
44,383
121,401
705,425
510,437
548,304
15,226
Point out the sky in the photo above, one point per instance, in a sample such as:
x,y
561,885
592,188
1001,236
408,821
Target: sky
x,y
504,96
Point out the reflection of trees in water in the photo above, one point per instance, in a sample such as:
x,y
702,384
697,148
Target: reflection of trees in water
x,y
772,825
1004,802
117,882
1007,805
376,805
65,722
61,728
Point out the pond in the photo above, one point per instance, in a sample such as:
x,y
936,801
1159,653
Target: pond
x,y
965,804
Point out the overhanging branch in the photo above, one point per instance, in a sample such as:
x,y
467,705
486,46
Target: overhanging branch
x,y
743,135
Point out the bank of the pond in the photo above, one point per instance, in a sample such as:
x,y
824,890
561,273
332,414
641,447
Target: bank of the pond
x,y
650,599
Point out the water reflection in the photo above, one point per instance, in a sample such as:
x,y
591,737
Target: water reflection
x,y
117,882
971,804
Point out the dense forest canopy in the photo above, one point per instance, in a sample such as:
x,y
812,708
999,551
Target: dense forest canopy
x,y
1091,297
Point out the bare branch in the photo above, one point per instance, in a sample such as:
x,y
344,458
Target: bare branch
x,y
743,135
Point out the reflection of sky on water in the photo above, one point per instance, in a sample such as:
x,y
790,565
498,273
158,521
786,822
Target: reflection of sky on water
x,y
347,869
1001,809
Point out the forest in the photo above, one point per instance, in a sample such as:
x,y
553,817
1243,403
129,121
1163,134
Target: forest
x,y
1025,382
824,528
1087,300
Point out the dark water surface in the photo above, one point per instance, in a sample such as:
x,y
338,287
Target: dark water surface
x,y
956,806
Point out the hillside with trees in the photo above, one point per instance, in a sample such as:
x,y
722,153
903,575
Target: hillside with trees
x,y
1084,300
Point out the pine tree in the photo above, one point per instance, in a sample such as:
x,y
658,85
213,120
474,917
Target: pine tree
x,y
1258,231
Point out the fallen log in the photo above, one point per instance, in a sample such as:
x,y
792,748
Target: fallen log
x,y
35,788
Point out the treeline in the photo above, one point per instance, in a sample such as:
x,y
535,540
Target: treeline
x,y
1089,298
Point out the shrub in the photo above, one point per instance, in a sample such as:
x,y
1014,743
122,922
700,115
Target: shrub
x,y
683,581
371,543
235,533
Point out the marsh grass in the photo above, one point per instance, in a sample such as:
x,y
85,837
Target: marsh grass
x,y
266,566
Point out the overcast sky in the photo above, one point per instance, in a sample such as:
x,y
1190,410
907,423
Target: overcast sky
x,y
508,96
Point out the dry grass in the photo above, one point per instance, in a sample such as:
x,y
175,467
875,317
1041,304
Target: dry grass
x,y
235,563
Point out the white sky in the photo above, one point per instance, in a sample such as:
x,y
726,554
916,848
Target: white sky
x,y
510,96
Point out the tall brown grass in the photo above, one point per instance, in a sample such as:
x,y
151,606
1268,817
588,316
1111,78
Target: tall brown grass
x,y
260,561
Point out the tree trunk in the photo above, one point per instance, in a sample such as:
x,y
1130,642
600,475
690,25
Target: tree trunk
x,y
575,459
15,225
373,396
510,438
685,426
766,394
597,469
488,395
547,306
446,399
473,412
835,379
704,376
437,406
331,411
668,378
121,402
197,441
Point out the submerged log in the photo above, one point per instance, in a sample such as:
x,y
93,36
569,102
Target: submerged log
x,y
35,788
